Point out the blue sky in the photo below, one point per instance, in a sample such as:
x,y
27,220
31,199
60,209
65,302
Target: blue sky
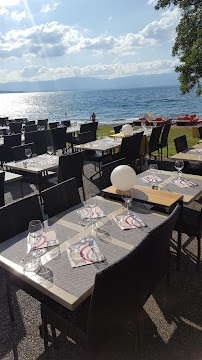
x,y
48,40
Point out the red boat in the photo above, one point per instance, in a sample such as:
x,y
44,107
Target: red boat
x,y
185,120
157,121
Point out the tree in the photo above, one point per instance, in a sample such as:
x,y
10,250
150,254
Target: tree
x,y
188,43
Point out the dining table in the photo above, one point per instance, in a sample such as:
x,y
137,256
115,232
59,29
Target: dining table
x,y
189,186
103,145
57,278
38,165
192,154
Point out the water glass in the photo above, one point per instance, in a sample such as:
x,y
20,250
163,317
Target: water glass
x,y
153,169
127,199
28,152
50,150
179,164
86,222
36,230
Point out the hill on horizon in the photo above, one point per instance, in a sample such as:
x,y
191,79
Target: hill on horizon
x,y
84,83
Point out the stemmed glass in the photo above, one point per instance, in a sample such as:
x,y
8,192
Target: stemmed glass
x,y
50,150
86,222
35,232
28,152
153,169
127,199
179,164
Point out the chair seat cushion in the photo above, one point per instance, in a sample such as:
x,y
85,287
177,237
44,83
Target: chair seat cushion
x,y
189,222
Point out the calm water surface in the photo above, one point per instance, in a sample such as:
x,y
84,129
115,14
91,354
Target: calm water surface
x,y
108,105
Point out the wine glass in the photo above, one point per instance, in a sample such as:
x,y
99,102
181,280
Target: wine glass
x,y
127,199
153,169
35,230
179,164
86,222
50,150
28,152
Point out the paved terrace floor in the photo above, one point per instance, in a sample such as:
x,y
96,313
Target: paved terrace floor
x,y
171,334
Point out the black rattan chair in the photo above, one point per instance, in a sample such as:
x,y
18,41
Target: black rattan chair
x,y
40,139
181,143
86,128
164,138
9,142
58,138
66,123
53,124
3,121
100,318
14,219
154,140
15,127
18,152
70,166
190,223
107,169
2,177
130,148
60,197
117,129
30,122
43,122
30,128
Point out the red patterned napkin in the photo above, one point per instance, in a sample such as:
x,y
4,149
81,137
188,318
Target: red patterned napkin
x,y
151,179
91,212
183,183
84,254
129,221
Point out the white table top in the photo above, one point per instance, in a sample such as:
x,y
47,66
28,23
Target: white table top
x,y
35,165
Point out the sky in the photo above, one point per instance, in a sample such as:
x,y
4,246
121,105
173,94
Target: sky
x,y
49,40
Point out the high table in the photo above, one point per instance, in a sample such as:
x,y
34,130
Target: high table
x,y
38,165
102,145
161,199
190,154
56,278
188,194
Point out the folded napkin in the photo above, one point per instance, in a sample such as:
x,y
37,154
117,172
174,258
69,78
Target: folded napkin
x,y
151,179
129,221
47,239
183,183
84,254
91,212
196,150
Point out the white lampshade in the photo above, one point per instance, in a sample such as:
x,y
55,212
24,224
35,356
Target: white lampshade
x,y
127,130
123,177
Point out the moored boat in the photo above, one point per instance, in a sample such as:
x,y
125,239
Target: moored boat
x,y
186,120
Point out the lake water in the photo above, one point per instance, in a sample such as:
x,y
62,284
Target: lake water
x,y
108,105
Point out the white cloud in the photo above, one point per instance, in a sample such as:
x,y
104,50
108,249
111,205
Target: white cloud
x,y
7,3
46,8
102,71
152,2
54,39
18,16
4,11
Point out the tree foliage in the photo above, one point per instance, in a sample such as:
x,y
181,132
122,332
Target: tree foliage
x,y
188,43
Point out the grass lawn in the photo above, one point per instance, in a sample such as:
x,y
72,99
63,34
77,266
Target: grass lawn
x,y
104,130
